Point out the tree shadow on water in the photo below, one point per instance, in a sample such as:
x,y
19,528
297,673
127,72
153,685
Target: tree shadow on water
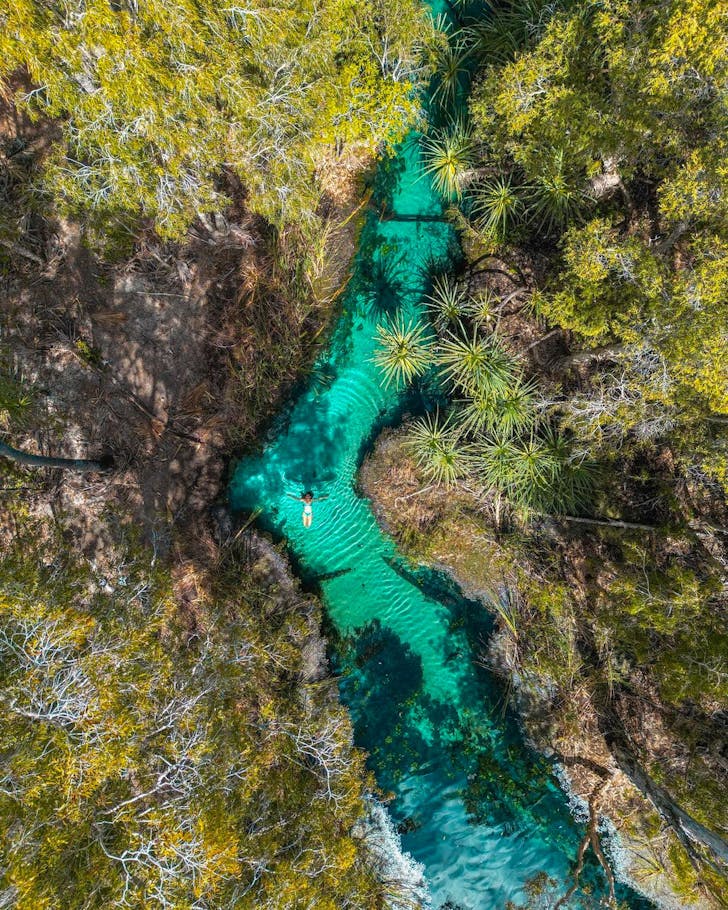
x,y
306,455
389,176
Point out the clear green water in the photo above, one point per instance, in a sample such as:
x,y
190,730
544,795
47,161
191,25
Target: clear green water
x,y
476,806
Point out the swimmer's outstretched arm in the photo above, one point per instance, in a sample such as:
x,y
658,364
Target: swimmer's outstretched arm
x,y
293,496
319,498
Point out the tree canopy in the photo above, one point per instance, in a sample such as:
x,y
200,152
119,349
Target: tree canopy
x,y
157,99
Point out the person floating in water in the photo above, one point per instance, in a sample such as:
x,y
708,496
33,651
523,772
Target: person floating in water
x,y
307,499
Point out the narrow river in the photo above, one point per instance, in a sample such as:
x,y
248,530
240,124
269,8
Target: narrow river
x,y
475,805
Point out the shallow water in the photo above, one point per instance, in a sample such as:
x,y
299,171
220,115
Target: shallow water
x,y
476,806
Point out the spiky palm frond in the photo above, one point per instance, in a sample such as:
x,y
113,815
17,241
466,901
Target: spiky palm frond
x,y
475,414
482,307
404,350
448,300
537,472
555,201
497,206
16,400
535,468
514,410
450,69
522,469
495,462
437,447
573,487
476,365
507,29
448,156
506,412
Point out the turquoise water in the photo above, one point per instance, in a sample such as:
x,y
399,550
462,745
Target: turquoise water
x,y
474,804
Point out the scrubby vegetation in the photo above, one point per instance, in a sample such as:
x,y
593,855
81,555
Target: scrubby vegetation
x,y
168,739
581,350
156,100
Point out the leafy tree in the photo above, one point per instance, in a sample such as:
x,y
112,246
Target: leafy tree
x,y
157,99
624,82
145,767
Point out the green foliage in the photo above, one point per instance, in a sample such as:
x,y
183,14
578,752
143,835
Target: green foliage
x,y
16,401
438,448
148,767
475,365
555,201
620,106
450,69
481,308
448,156
404,351
535,471
157,99
497,207
448,299
610,286
509,411
511,26
624,81
514,410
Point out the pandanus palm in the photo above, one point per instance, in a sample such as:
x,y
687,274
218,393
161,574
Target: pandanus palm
x,y
495,462
477,366
574,486
404,350
554,201
451,68
510,27
438,449
522,469
536,472
497,206
508,412
514,410
482,307
448,300
448,156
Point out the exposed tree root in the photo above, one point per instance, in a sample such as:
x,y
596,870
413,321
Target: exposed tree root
x,y
591,837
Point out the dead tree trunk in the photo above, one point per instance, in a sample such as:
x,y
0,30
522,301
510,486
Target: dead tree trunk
x,y
46,461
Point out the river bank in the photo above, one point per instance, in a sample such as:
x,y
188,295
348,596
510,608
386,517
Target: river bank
x,y
452,531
